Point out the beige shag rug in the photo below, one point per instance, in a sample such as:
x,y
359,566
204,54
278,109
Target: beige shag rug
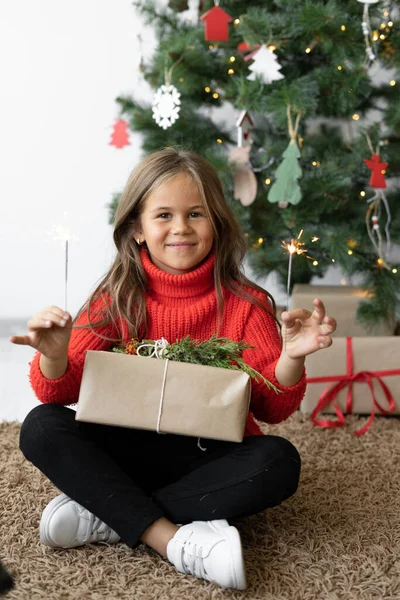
x,y
338,538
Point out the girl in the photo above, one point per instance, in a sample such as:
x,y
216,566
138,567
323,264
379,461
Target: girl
x,y
177,271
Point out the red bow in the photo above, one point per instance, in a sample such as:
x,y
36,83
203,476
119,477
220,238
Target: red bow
x,y
330,393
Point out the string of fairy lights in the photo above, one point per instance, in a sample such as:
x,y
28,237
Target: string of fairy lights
x,y
376,36
295,246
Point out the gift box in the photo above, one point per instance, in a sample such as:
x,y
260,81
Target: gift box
x,y
354,375
341,302
164,395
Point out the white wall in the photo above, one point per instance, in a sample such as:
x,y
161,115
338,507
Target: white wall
x,y
63,65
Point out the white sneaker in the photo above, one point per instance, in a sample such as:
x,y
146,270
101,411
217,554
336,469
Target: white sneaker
x,y
66,524
210,550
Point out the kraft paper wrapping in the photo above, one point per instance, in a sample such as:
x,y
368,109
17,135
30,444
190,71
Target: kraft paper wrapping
x,y
371,354
201,401
341,302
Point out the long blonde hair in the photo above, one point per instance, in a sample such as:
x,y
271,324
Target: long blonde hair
x,y
124,286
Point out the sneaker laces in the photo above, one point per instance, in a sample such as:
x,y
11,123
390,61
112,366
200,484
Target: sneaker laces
x,y
94,527
192,560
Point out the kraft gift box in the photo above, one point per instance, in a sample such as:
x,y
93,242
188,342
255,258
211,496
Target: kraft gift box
x,y
164,395
341,302
365,372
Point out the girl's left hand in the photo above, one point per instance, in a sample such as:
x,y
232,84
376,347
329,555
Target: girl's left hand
x,y
304,332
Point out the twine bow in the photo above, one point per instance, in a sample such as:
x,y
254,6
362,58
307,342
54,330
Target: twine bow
x,y
158,348
330,393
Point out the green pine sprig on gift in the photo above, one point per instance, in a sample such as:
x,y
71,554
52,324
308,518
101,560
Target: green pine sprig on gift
x,y
216,352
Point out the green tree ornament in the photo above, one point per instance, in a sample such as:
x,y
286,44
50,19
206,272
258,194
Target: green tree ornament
x,y
286,189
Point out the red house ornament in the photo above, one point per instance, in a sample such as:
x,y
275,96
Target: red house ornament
x,y
216,24
378,171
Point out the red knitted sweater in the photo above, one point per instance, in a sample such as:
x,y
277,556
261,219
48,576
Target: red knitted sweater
x,y
180,305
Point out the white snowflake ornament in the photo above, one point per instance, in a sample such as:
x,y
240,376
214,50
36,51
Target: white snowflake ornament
x,y
166,106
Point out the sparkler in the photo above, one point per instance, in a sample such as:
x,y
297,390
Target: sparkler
x,y
295,247
63,234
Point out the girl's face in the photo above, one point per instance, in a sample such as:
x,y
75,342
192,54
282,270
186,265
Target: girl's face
x,y
175,226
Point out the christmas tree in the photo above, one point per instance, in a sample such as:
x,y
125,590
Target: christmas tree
x,y
319,83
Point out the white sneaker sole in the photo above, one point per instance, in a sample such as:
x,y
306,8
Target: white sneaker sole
x,y
46,518
238,566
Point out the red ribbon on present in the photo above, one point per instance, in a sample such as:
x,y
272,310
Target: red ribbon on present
x,y
330,393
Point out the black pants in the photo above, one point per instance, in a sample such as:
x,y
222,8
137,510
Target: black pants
x,y
129,478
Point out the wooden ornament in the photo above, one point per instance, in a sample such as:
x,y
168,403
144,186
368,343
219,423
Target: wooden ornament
x,y
245,181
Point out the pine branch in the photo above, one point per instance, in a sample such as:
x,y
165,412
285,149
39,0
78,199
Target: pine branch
x,y
217,352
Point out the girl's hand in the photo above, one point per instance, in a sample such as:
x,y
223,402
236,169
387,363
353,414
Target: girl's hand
x,y
49,332
304,332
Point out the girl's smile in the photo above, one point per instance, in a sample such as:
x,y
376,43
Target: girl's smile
x,y
180,246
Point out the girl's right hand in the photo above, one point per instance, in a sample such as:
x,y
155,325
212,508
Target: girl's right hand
x,y
49,332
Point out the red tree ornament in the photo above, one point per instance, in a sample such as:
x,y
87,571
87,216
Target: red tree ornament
x,y
120,136
377,167
216,24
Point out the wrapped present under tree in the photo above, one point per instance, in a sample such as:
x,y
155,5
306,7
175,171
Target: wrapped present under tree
x,y
343,302
355,375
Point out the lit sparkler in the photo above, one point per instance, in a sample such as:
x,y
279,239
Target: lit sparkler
x,y
63,234
295,247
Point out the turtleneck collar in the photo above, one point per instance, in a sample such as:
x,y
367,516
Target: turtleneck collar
x,y
195,282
